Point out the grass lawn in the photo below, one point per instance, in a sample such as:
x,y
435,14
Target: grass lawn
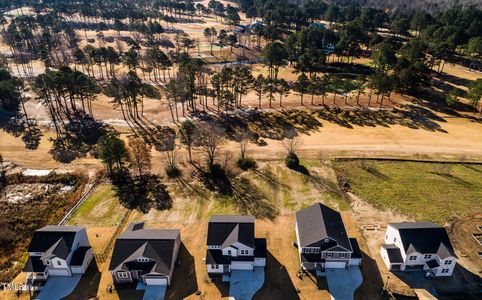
x,y
102,208
426,191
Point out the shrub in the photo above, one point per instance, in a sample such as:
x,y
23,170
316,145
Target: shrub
x,y
246,163
292,161
173,172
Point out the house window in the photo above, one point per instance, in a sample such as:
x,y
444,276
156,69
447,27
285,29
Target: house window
x,y
394,239
329,254
229,252
244,252
427,256
448,262
316,250
122,275
343,255
143,259
386,237
327,240
59,263
216,267
47,262
445,271
413,257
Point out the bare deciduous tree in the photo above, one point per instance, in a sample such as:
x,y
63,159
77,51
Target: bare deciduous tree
x,y
211,137
292,141
243,137
140,154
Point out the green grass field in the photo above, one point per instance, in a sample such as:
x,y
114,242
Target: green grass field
x,y
426,191
102,208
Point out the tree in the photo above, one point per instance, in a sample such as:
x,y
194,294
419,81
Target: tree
x,y
275,55
452,98
188,135
292,144
140,155
112,150
301,85
210,137
259,88
475,92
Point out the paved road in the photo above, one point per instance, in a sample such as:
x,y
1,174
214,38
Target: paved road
x,y
342,283
244,284
58,287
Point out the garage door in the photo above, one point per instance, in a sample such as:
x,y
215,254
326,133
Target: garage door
x,y
59,272
156,281
241,265
335,265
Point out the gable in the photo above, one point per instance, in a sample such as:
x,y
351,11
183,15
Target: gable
x,y
223,232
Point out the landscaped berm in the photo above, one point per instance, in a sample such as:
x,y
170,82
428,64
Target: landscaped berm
x,y
171,113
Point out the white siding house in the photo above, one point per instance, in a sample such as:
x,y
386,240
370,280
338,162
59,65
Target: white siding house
x,y
418,246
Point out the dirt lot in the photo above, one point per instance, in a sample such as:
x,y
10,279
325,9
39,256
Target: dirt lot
x,y
460,231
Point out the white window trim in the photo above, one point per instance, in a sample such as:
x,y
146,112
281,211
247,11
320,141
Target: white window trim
x,y
122,275
47,262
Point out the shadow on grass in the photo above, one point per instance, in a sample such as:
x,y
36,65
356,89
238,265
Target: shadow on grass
x,y
250,200
454,178
277,283
184,281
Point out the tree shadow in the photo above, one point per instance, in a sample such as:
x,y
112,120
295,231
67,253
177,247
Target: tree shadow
x,y
128,291
277,282
184,281
454,178
462,283
270,179
16,125
250,200
88,284
223,287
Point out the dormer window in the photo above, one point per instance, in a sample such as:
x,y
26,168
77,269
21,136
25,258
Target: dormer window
x,y
448,262
47,262
122,275
427,256
142,259
327,240
229,252
59,263
413,257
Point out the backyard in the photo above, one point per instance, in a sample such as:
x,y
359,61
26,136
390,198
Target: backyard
x,y
425,191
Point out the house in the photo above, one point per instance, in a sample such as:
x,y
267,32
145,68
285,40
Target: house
x,y
417,246
231,245
57,251
322,239
145,255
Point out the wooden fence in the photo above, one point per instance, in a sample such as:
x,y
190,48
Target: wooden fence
x,y
101,257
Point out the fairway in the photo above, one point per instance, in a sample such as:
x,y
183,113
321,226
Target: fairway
x,y
426,191
100,209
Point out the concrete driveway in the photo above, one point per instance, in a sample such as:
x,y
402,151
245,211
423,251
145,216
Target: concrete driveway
x,y
58,287
342,283
152,292
244,284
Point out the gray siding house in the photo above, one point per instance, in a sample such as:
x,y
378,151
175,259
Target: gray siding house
x,y
322,239
146,255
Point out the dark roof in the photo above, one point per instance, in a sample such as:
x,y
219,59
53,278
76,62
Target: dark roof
x,y
424,237
59,249
356,248
215,256
43,239
393,252
433,264
227,230
155,244
34,264
318,222
79,255
260,249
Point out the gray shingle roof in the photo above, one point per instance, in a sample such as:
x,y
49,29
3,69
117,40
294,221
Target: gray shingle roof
x,y
59,249
43,239
79,255
318,222
394,254
424,237
227,230
34,264
154,244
